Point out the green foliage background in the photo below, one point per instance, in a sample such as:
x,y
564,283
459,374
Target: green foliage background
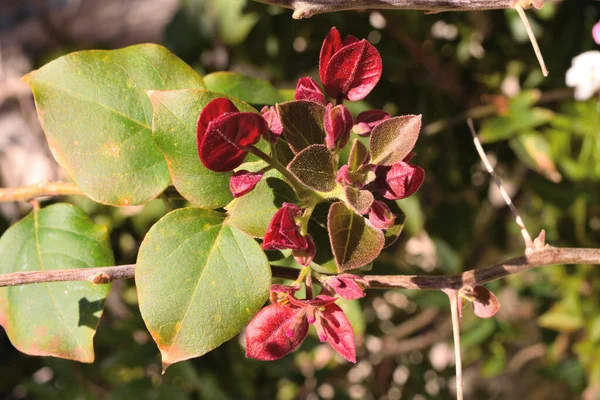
x,y
545,341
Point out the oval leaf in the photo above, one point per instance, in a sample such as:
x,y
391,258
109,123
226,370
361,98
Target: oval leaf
x,y
353,241
315,167
302,123
393,139
359,200
174,130
252,212
97,118
199,282
251,90
60,318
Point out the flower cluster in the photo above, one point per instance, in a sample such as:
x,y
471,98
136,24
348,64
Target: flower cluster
x,y
363,217
280,328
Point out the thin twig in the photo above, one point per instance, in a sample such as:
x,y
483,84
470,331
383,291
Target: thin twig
x,y
308,8
543,257
505,196
534,43
25,193
454,305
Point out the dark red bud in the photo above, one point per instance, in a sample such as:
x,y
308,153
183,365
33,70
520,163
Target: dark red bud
x,y
398,181
222,143
380,215
243,182
305,256
353,71
331,45
367,120
338,124
307,89
282,232
273,121
213,110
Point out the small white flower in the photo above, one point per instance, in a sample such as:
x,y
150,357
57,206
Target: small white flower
x,y
584,74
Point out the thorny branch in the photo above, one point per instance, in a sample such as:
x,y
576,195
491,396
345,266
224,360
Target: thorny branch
x,y
543,257
308,8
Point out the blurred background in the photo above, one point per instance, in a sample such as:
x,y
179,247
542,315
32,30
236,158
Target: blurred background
x,y
545,341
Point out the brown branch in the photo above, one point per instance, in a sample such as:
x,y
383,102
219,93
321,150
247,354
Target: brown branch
x,y
308,8
538,258
25,193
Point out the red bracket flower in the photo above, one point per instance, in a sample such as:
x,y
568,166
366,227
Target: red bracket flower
x,y
279,329
223,133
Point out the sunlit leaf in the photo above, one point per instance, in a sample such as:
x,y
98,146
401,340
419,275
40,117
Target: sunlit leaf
x,y
98,120
58,318
199,282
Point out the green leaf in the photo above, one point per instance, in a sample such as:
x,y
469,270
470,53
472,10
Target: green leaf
x,y
393,139
60,318
174,128
359,200
353,241
97,118
533,150
302,123
250,90
199,282
314,166
358,155
392,234
507,127
252,212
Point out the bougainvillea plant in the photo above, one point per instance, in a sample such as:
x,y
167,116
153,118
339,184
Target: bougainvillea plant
x,y
302,184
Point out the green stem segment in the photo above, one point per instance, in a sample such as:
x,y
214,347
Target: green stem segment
x,y
298,187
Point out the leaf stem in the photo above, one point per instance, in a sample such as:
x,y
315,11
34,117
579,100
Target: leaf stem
x,y
300,189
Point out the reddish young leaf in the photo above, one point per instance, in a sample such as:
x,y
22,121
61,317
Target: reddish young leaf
x,y
283,233
485,303
359,154
354,243
307,89
273,123
331,45
302,123
338,124
359,200
243,182
315,168
380,215
210,112
305,256
340,333
367,120
399,180
393,139
221,148
275,331
353,71
347,286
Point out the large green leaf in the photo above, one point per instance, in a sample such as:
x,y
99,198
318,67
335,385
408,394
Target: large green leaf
x,y
252,212
250,90
199,282
59,318
97,118
354,242
174,128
